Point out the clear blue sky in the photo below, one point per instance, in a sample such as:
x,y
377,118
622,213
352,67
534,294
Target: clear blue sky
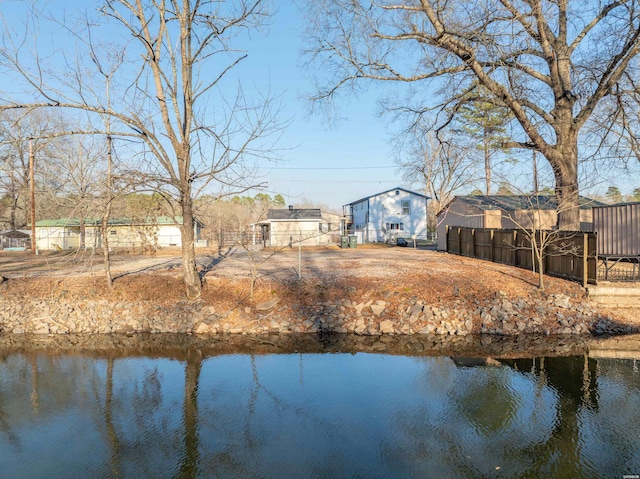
x,y
324,164
329,164
321,164
363,139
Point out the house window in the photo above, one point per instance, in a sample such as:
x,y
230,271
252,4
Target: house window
x,y
113,232
395,226
406,210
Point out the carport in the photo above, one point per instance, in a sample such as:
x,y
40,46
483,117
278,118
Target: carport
x,y
15,239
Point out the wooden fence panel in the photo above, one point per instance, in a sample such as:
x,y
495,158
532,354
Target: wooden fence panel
x,y
523,254
467,242
503,245
484,244
570,254
453,240
565,256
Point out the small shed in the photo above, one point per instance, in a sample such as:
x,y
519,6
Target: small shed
x,y
304,226
508,212
15,239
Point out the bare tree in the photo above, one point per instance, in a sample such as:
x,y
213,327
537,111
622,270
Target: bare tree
x,y
174,101
561,67
440,168
16,131
75,171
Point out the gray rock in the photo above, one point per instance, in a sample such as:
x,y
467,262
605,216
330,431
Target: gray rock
x,y
378,307
387,327
202,328
267,305
561,301
428,329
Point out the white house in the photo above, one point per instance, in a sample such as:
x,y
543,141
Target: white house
x,y
157,232
385,216
293,226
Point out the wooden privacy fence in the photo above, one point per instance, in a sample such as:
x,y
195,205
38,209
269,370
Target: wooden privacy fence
x,y
569,254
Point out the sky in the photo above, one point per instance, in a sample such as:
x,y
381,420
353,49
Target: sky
x,y
335,164
322,164
328,164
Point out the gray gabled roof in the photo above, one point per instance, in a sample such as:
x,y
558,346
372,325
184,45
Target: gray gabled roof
x,y
521,202
16,234
284,214
152,220
387,191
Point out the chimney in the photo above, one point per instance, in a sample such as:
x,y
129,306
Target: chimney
x,y
290,207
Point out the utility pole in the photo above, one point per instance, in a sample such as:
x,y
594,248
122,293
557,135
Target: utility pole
x,y
32,189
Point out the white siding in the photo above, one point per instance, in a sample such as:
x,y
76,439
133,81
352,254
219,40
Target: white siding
x,y
53,237
120,236
291,232
382,217
169,235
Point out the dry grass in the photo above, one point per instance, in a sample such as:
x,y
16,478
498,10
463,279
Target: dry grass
x,y
392,274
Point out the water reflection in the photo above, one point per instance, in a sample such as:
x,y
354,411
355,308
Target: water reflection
x,y
191,409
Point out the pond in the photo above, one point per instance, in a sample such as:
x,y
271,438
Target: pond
x,y
316,407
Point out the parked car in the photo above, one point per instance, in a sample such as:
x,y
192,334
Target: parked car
x,y
401,242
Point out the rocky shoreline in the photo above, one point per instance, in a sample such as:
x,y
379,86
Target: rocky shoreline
x,y
391,314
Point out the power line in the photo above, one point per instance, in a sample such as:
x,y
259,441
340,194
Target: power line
x,y
334,181
327,168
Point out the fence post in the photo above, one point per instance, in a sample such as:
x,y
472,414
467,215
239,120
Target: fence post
x,y
585,259
473,242
446,238
460,241
543,247
514,248
492,246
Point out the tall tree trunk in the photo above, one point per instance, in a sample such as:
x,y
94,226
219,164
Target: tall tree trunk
x,y
565,170
105,246
83,233
192,283
107,212
536,186
487,163
32,191
14,208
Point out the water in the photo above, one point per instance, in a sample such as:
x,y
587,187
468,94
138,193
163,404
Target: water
x,y
260,409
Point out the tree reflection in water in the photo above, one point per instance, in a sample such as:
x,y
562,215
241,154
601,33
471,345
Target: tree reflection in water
x,y
196,414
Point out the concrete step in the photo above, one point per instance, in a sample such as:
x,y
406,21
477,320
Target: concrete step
x,y
615,294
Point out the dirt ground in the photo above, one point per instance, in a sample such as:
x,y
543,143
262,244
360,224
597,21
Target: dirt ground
x,y
379,270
